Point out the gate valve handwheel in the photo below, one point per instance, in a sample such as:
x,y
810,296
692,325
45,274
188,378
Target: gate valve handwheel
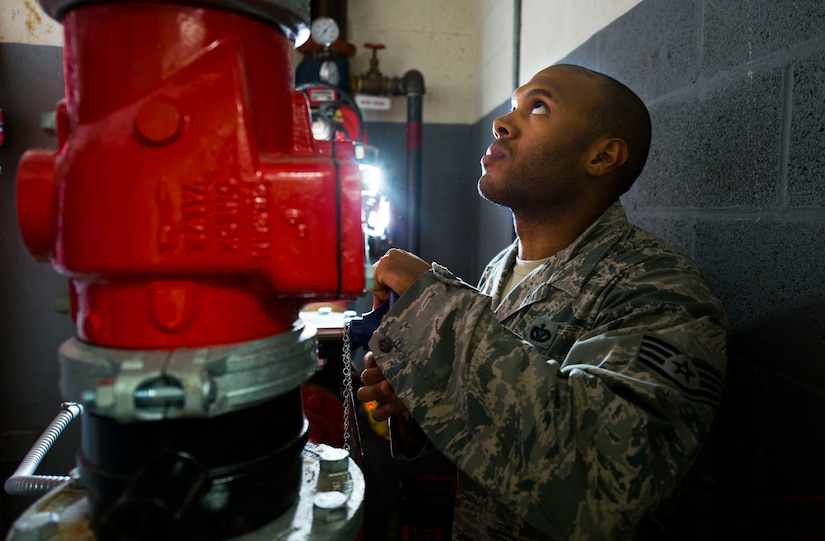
x,y
375,48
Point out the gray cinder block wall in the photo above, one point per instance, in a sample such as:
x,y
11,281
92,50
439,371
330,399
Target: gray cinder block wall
x,y
736,179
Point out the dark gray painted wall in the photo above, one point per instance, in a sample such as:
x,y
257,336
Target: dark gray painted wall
x,y
460,230
448,189
31,329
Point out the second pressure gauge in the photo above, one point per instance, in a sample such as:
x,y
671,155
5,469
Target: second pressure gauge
x,y
324,30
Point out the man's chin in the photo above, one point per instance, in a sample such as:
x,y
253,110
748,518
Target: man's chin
x,y
486,190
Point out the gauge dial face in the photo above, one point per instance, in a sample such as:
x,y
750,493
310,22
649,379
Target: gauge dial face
x,y
329,73
324,30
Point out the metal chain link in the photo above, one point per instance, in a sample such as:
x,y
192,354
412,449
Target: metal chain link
x,y
347,355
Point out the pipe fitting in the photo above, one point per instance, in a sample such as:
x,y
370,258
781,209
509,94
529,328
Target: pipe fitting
x,y
412,83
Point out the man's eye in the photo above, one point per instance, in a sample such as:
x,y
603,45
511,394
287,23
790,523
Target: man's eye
x,y
540,109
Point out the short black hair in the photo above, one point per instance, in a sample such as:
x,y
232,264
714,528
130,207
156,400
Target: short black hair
x,y
620,113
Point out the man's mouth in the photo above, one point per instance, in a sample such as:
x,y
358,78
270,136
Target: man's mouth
x,y
494,152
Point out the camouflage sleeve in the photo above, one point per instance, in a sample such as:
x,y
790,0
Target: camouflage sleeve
x,y
596,439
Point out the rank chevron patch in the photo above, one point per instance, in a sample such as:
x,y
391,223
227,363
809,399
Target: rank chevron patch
x,y
696,379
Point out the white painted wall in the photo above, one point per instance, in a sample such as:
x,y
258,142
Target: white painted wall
x,y
464,48
551,29
23,21
494,61
436,37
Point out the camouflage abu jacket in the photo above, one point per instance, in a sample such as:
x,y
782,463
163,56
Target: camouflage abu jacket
x,y
574,406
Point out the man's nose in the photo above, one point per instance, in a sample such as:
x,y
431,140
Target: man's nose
x,y
502,128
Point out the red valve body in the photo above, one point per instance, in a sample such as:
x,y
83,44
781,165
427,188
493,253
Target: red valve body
x,y
187,202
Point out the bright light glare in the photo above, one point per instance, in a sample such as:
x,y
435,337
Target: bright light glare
x,y
322,128
378,218
302,35
370,178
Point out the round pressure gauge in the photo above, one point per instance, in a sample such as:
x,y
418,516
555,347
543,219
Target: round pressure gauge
x,y
324,30
328,73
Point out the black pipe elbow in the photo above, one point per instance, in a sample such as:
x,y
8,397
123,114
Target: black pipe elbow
x,y
413,83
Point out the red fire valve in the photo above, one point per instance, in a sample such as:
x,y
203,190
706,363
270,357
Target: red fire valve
x,y
188,203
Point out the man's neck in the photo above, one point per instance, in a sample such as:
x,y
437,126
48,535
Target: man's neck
x,y
545,237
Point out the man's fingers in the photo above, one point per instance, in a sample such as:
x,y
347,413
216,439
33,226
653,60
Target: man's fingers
x,y
383,412
371,376
396,270
382,392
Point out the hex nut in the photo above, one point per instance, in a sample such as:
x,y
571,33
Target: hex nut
x,y
334,460
105,396
329,506
40,526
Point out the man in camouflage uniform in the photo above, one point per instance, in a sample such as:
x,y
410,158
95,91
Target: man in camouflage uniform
x,y
574,401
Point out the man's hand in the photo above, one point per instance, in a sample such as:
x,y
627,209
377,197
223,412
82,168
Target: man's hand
x,y
376,387
396,271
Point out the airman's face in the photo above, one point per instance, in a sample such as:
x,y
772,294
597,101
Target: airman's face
x,y
537,160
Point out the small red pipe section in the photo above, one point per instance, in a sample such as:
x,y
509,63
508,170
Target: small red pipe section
x,y
187,202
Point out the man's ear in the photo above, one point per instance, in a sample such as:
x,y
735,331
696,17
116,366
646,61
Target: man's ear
x,y
606,155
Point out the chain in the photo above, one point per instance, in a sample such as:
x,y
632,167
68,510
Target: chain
x,y
347,354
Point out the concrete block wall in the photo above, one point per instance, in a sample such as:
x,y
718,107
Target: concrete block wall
x,y
736,179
